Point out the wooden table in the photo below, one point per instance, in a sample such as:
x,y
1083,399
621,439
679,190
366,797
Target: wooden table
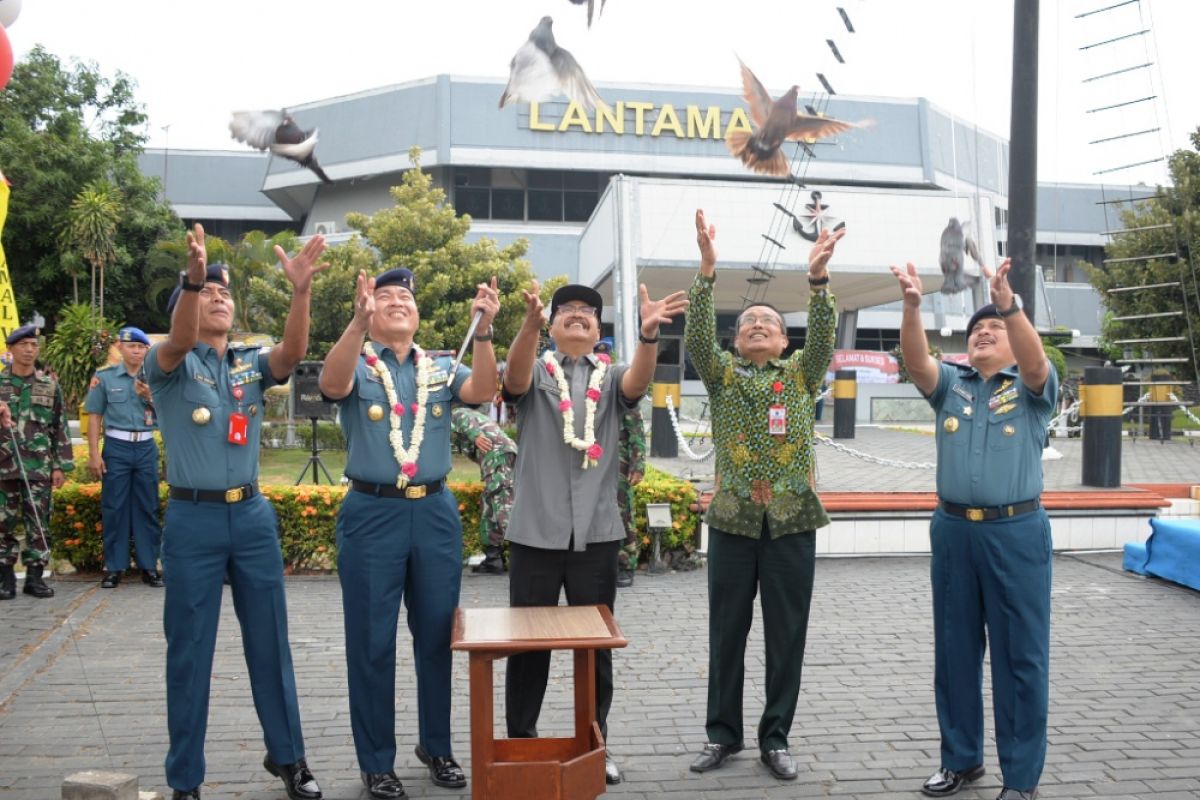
x,y
546,769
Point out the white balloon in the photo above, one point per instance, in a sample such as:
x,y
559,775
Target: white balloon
x,y
9,11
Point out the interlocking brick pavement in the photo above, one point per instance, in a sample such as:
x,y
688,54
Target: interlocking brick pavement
x,y
82,686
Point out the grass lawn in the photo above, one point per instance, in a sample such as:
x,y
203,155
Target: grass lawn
x,y
283,466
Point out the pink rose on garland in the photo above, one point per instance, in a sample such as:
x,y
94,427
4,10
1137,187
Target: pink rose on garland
x,y
409,468
372,361
564,405
605,357
415,408
593,395
549,368
399,409
594,452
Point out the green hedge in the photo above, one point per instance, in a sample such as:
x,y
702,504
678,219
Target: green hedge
x,y
307,515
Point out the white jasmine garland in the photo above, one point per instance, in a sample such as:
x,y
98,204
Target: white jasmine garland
x,y
591,451
406,457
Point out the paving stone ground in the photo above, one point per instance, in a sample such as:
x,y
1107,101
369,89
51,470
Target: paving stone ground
x,y
81,686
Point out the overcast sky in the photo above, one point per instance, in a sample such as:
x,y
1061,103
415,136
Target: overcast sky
x,y
196,62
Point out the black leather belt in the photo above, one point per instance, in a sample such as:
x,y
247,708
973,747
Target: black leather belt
x,y
990,512
412,491
235,495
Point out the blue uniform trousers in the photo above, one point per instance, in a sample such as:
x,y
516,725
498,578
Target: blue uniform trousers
x,y
129,504
393,549
202,542
994,575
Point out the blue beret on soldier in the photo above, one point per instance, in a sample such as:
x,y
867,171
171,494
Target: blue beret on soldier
x,y
397,277
134,335
982,313
23,332
216,273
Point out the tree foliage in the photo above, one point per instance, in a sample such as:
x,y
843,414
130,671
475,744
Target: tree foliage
x,y
1176,207
424,234
77,348
61,129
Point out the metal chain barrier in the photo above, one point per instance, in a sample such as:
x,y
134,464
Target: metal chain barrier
x,y
887,462
1186,410
679,435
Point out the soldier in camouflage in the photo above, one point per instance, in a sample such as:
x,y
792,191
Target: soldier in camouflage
x,y
487,445
32,408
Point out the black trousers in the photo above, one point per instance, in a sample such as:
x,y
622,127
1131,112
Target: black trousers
x,y
535,578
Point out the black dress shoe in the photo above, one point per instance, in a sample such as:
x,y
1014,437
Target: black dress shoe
x,y
443,770
612,773
179,794
1017,794
713,756
297,779
489,566
781,764
152,577
111,579
946,782
383,785
624,578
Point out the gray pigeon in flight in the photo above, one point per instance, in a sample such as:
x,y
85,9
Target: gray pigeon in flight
x,y
774,122
541,70
591,7
956,242
278,132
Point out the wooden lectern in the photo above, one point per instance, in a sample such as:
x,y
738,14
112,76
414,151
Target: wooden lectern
x,y
547,769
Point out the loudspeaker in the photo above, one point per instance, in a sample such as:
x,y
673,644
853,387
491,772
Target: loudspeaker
x,y
307,400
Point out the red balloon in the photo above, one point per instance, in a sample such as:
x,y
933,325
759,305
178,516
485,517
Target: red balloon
x,y
6,59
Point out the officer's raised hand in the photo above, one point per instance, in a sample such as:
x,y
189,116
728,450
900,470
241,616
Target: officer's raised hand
x,y
822,251
197,263
1002,293
301,269
487,302
534,307
659,312
364,301
705,234
910,284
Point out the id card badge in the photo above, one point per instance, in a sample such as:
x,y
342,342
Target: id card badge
x,y
238,425
777,420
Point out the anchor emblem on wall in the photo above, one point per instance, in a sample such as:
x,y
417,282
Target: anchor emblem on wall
x,y
813,219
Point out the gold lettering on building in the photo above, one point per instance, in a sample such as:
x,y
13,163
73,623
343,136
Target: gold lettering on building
x,y
667,118
702,122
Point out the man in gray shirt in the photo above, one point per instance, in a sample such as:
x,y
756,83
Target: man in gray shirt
x,y
565,530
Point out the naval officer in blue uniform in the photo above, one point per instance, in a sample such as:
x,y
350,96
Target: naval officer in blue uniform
x,y
399,535
990,537
119,397
209,399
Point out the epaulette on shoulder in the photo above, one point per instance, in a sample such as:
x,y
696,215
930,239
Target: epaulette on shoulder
x,y
107,368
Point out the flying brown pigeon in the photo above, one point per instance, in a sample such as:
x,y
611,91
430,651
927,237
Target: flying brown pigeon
x,y
591,6
541,70
278,132
774,123
955,242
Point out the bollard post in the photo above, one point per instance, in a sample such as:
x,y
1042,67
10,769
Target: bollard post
x,y
845,403
663,442
1101,406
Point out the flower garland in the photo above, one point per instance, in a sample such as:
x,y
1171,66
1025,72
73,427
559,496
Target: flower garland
x,y
591,451
405,457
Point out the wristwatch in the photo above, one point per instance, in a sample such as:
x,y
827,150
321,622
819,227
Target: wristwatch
x,y
646,340
1016,306
486,336
188,287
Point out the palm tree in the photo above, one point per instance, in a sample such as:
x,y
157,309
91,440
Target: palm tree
x,y
91,228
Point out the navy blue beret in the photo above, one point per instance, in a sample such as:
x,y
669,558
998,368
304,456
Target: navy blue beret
x,y
134,335
217,273
983,312
397,277
23,332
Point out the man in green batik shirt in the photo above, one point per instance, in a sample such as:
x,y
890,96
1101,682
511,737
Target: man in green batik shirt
x,y
764,513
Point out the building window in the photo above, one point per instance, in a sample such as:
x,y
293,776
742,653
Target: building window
x,y
533,195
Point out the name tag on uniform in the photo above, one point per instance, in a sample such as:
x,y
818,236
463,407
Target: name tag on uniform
x,y
202,378
963,393
777,420
42,399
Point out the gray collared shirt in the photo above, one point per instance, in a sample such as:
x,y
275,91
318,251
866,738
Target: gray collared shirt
x,y
555,496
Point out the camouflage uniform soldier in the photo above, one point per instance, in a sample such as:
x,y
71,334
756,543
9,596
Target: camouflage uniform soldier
x,y
489,447
32,403
632,455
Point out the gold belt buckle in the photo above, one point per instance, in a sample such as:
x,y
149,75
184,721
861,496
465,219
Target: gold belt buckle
x,y
235,495
414,492
975,514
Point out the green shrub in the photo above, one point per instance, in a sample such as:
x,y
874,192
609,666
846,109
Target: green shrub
x,y
660,487
78,347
